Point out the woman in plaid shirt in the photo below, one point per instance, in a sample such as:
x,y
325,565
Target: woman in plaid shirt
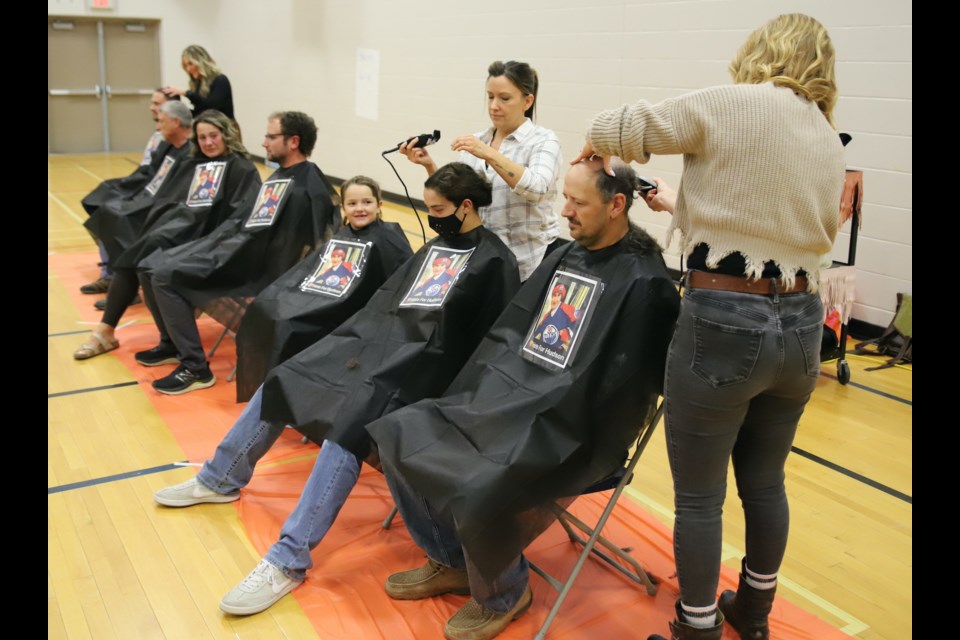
x,y
521,160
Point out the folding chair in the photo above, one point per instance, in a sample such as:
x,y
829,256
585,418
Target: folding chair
x,y
628,566
229,312
617,481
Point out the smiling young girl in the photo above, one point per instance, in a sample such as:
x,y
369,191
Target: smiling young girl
x,y
303,305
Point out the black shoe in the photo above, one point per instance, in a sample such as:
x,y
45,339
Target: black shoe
x,y
100,285
183,380
101,304
160,354
684,631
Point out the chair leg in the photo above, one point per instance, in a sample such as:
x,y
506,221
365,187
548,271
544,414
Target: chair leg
x,y
638,574
389,519
216,344
228,328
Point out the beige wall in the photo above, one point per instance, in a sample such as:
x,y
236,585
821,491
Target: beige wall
x,y
591,55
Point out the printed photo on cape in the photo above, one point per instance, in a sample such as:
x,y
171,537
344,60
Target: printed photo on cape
x,y
342,261
268,203
205,184
158,178
152,145
436,277
555,334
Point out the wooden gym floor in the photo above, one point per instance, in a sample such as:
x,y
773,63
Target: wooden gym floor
x,y
849,560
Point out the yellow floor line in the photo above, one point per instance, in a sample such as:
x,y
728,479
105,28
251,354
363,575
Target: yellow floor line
x,y
88,172
65,207
275,463
852,626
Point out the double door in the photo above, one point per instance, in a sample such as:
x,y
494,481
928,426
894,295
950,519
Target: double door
x,y
100,76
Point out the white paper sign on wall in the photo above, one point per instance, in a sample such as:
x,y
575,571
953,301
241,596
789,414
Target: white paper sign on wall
x,y
368,83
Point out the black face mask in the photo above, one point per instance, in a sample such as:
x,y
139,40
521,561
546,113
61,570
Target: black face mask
x,y
447,227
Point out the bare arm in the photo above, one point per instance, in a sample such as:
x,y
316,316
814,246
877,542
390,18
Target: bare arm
x,y
532,181
510,171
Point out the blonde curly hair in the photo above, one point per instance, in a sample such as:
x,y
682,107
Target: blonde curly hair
x,y
792,50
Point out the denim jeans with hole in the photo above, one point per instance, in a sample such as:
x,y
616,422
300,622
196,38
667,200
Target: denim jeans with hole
x,y
334,474
740,370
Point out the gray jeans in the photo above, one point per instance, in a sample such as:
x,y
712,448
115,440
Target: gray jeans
x,y
740,370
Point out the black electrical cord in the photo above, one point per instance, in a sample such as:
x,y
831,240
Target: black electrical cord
x,y
416,213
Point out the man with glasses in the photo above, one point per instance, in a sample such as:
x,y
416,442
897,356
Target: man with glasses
x,y
241,256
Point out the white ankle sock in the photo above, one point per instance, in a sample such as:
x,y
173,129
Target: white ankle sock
x,y
759,580
700,617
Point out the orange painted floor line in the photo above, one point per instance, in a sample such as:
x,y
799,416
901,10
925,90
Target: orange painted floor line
x,y
343,595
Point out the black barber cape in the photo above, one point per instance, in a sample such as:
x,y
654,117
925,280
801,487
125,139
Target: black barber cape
x,y
276,226
314,297
406,344
116,223
528,420
217,189
127,185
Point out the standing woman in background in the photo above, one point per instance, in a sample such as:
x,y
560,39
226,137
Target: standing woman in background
x,y
209,88
520,159
763,169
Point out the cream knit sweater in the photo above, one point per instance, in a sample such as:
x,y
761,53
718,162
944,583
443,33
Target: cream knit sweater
x,y
762,171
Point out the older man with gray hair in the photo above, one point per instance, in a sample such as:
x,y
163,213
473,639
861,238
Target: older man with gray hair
x,y
116,223
115,188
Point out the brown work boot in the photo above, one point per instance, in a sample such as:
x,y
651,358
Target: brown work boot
x,y
432,579
476,622
100,285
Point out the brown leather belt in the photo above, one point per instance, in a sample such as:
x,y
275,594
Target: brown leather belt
x,y
740,284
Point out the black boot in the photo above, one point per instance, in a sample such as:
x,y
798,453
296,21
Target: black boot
x,y
683,631
747,610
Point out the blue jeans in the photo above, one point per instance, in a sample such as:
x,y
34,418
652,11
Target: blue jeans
x,y
437,537
334,475
237,454
104,261
740,370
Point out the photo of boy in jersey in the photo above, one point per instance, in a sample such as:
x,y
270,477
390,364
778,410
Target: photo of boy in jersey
x,y
162,172
336,272
437,274
205,183
268,203
561,318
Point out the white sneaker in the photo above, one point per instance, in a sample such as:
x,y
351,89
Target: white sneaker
x,y
258,591
191,492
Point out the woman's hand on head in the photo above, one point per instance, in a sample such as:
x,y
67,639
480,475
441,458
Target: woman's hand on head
x,y
173,91
587,152
663,198
472,145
